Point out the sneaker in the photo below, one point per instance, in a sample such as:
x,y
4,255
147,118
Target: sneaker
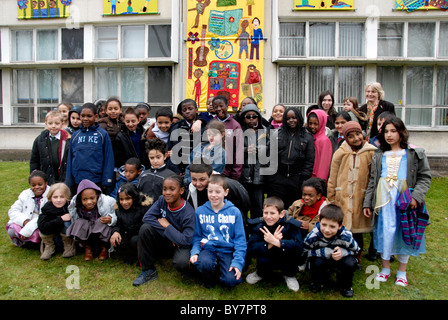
x,y
302,268
145,276
382,277
401,282
253,278
292,283
315,288
348,293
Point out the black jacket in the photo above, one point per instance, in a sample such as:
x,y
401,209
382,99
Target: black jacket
x,y
49,221
382,106
124,147
41,157
129,222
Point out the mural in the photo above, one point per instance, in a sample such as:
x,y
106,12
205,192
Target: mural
x,y
225,51
120,7
42,9
324,5
412,5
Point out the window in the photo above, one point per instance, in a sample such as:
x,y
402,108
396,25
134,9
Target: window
x,y
106,82
320,79
22,45
72,85
351,39
159,41
421,40
350,80
292,85
23,86
160,84
419,85
47,86
133,41
322,39
443,40
292,39
390,37
133,84
72,44
47,45
107,42
391,78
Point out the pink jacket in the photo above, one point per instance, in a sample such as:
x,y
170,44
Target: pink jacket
x,y
323,148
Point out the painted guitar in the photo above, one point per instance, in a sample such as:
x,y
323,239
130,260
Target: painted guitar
x,y
202,51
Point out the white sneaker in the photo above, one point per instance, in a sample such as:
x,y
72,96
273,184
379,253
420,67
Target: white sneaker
x,y
292,283
302,268
253,278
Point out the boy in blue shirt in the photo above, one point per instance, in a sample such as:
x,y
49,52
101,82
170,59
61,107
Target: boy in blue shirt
x,y
219,240
90,154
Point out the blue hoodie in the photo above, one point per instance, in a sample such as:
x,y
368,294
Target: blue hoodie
x,y
90,157
222,231
122,180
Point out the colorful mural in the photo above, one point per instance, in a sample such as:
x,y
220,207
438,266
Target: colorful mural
x,y
412,5
225,51
129,7
324,5
42,9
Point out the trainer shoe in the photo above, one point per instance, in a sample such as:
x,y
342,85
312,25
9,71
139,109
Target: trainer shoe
x,y
253,278
145,276
382,277
401,282
292,283
348,293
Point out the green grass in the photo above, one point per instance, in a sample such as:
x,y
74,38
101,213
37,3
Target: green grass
x,y
25,277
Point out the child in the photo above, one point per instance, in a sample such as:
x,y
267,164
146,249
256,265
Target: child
x,y
161,127
322,144
129,172
380,120
151,181
277,116
129,143
210,113
23,214
50,149
330,247
276,242
101,108
168,228
256,142
130,209
307,209
90,154
295,158
396,167
112,123
92,216
54,221
143,111
351,106
211,151
234,138
349,177
219,241
64,108
185,134
74,120
336,136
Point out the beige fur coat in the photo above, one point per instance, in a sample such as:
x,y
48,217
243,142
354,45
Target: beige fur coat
x,y
347,185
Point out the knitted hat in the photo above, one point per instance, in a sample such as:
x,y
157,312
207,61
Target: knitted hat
x,y
351,126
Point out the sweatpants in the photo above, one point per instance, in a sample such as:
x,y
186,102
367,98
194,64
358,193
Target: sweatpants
x,y
152,245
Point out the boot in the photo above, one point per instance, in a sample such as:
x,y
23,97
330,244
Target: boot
x,y
47,246
88,253
69,246
104,254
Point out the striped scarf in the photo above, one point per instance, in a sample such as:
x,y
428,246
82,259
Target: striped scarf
x,y
413,222
371,114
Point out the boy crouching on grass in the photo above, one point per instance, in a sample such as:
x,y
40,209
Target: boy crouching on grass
x,y
330,247
276,243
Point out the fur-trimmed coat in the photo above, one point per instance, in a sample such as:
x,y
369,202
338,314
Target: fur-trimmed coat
x,y
295,210
347,185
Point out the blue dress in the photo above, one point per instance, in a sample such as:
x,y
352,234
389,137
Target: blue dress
x,y
387,230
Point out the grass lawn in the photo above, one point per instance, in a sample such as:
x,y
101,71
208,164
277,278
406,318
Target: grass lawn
x,y
25,277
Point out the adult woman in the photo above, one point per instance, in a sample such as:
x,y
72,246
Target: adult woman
x,y
326,103
374,106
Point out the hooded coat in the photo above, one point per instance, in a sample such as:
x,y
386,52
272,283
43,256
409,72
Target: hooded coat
x,y
322,146
347,185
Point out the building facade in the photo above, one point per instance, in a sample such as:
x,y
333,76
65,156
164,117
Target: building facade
x,y
88,52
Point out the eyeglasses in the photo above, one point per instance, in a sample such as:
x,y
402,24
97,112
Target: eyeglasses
x,y
248,116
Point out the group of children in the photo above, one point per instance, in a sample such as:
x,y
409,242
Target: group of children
x,y
124,185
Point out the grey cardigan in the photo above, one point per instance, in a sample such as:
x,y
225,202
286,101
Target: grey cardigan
x,y
418,175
